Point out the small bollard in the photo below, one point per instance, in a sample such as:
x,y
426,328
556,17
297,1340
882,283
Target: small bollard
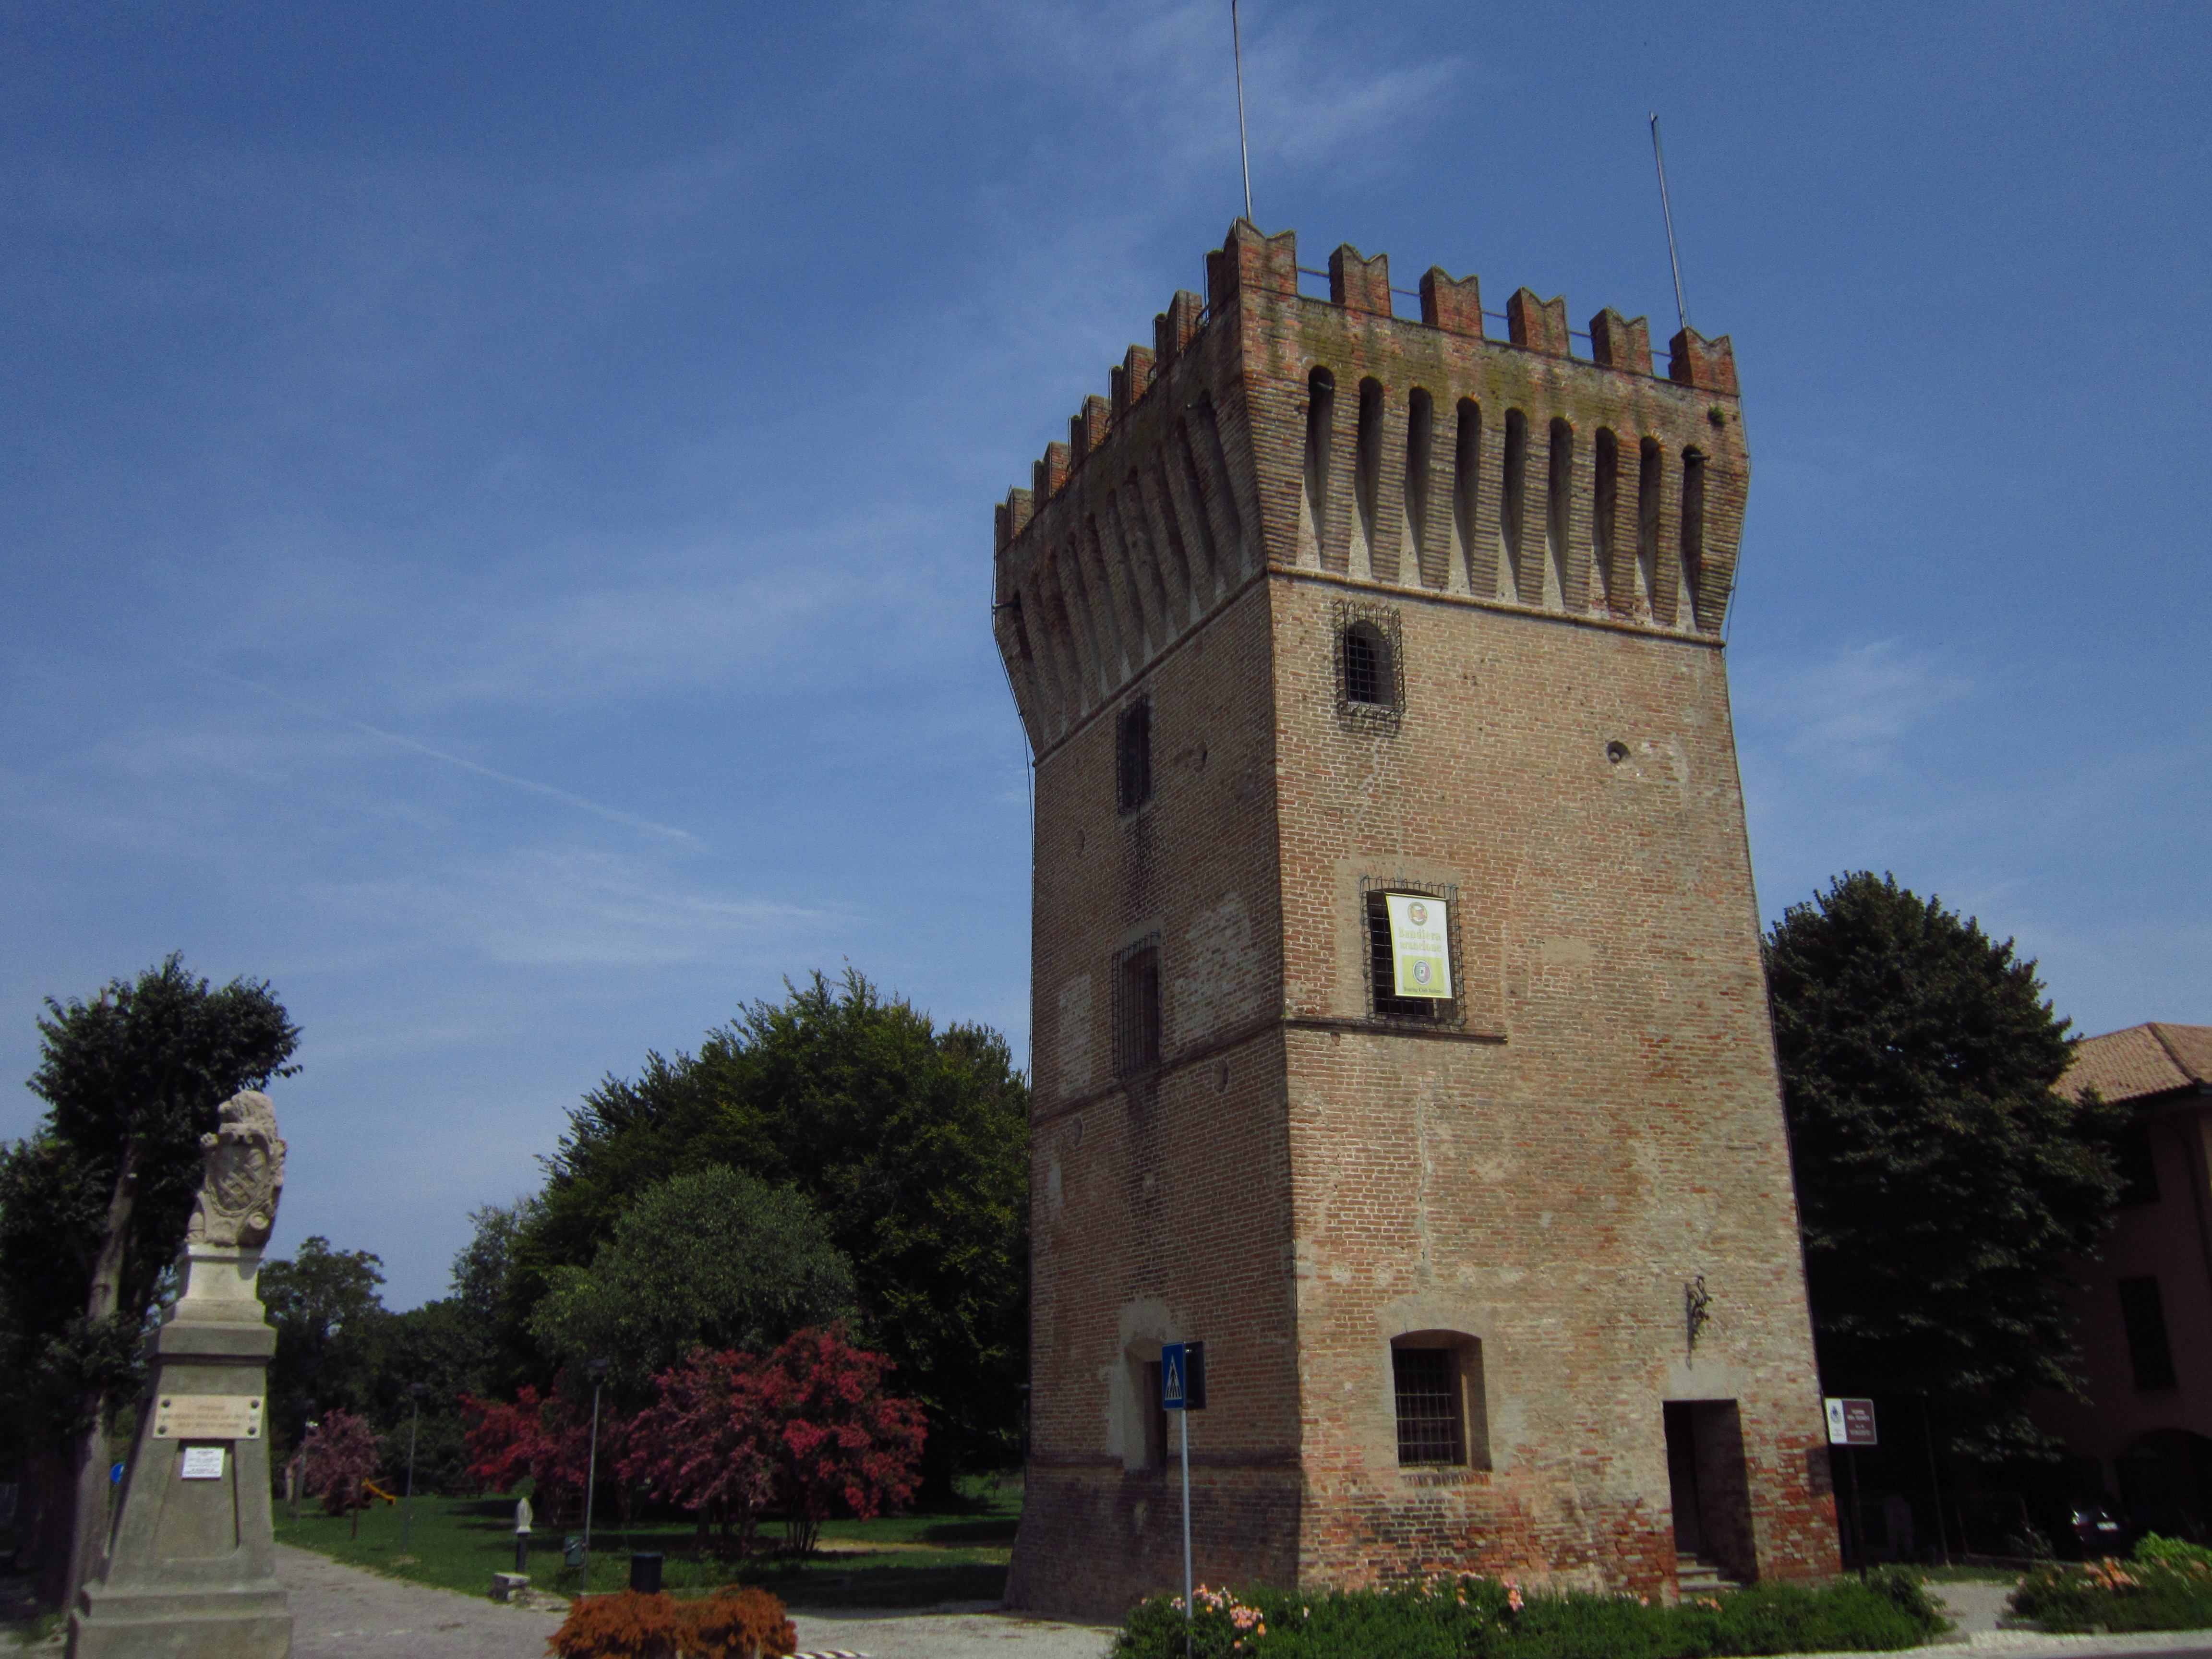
x,y
645,1572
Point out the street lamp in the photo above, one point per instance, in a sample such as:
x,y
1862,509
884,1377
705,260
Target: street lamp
x,y
598,1369
414,1422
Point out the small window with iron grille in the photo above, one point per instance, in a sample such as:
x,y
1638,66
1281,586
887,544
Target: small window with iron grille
x,y
1434,909
1432,1424
1137,1008
1370,682
1133,753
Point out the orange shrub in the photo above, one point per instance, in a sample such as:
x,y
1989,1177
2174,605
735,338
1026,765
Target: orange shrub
x,y
627,1626
733,1624
738,1624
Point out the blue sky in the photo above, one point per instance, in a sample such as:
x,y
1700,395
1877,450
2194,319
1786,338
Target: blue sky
x,y
496,499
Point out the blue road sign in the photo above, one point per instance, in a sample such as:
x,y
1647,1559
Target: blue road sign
x,y
1182,1376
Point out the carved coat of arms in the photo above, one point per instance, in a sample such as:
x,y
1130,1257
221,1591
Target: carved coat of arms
x,y
242,1176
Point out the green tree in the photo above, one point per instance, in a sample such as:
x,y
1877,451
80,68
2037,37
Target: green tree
x,y
93,1209
913,1141
443,1346
483,1280
327,1312
1943,1184
716,1259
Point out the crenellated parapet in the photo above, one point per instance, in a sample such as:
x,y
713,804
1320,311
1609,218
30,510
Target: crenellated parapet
x,y
1268,429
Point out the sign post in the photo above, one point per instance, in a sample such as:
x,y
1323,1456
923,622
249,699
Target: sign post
x,y
1851,1423
1182,1391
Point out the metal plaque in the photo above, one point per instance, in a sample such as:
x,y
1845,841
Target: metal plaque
x,y
207,1417
202,1463
1850,1422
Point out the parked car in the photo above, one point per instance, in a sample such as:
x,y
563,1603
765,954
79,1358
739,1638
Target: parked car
x,y
2098,1530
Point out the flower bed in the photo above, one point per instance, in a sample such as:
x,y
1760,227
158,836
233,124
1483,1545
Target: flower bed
x,y
1448,1618
2166,1584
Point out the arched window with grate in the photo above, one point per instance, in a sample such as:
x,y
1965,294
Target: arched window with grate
x,y
1366,666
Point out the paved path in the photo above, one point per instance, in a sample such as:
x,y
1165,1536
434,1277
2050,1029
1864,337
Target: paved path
x,y
342,1611
338,1610
965,1631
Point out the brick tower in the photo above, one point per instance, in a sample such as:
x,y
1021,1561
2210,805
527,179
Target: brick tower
x,y
1399,1030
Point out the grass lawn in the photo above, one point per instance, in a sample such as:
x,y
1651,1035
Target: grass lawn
x,y
955,1552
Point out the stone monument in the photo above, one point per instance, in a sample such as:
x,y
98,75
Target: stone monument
x,y
191,1565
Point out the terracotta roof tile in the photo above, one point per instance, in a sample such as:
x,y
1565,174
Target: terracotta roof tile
x,y
2140,1061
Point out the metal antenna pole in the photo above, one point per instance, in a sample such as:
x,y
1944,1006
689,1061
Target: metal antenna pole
x,y
1681,306
1243,146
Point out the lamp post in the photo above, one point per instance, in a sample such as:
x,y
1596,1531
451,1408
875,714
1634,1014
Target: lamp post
x,y
414,1424
598,1369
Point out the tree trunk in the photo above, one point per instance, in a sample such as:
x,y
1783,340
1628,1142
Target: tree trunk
x,y
88,1524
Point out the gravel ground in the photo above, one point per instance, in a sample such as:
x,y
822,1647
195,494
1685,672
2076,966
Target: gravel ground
x,y
342,1610
339,1609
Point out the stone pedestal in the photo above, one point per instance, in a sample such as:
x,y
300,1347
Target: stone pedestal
x,y
190,1572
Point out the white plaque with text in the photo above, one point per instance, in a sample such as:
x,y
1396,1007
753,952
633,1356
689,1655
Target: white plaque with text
x,y
202,1463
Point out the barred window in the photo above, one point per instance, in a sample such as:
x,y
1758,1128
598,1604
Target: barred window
x,y
1366,664
1137,1008
1383,982
1431,1426
1134,755
1369,677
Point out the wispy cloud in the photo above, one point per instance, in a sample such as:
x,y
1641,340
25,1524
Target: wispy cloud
x,y
613,814
552,905
1848,711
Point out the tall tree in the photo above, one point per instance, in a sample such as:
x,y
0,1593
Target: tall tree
x,y
93,1209
913,1141
716,1260
326,1309
1944,1185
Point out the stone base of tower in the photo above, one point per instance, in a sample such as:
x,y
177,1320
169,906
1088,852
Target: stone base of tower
x,y
1094,1542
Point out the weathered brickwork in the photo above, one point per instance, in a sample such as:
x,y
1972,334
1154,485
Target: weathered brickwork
x,y
1535,1182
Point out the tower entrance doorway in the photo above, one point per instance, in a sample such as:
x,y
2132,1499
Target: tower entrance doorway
x,y
1709,1490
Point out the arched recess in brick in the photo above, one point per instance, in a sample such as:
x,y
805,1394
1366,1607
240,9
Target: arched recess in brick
x,y
1604,510
1693,539
1558,520
1512,508
1367,480
1466,478
1313,498
1651,459
1414,564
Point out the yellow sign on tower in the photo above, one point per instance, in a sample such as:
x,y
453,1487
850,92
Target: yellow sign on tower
x,y
1420,945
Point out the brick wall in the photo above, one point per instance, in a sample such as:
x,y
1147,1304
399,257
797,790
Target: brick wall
x,y
1297,1182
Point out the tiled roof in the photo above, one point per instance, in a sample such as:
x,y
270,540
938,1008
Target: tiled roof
x,y
2141,1062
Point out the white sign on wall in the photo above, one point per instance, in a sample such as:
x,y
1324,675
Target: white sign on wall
x,y
202,1463
1420,945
